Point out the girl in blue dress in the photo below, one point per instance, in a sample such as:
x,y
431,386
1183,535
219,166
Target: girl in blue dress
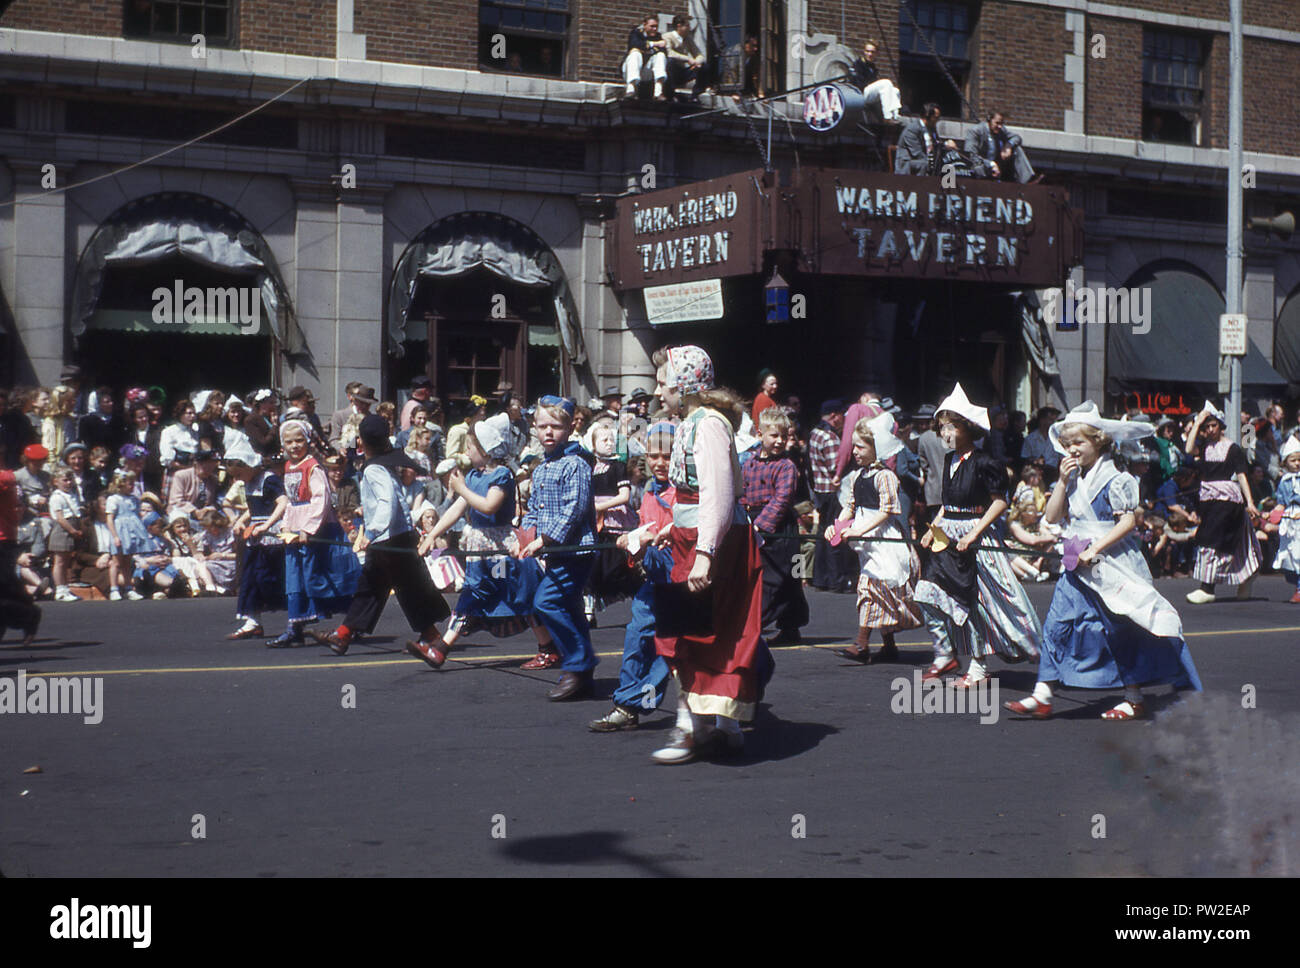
x,y
498,590
129,534
1107,626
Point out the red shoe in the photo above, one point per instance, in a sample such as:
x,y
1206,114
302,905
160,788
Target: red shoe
x,y
1119,713
433,654
935,670
966,682
1295,599
1040,710
543,660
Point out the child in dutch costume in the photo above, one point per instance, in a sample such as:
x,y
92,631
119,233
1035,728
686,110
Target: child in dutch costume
x,y
970,599
1107,627
1226,547
1288,500
710,619
869,497
320,570
261,572
643,677
497,593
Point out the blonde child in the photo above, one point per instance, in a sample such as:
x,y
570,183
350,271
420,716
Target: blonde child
x,y
186,555
1024,522
1107,627
217,549
65,512
890,568
129,535
1288,525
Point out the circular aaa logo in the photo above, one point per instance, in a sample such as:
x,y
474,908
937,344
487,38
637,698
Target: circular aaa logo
x,y
823,108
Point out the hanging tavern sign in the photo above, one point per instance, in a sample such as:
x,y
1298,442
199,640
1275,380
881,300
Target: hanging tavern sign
x,y
859,223
704,230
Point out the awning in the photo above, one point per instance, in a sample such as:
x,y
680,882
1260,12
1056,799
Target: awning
x,y
160,226
1182,344
462,243
1035,333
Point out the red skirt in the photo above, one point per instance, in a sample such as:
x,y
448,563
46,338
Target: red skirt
x,y
712,640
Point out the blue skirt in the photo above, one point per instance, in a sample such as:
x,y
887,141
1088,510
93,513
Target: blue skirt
x,y
1087,647
497,594
136,540
320,577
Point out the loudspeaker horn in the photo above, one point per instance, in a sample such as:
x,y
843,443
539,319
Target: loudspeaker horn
x,y
1280,225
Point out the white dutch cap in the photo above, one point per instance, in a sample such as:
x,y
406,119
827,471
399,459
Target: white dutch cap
x,y
177,515
242,451
490,436
200,400
232,402
1120,431
882,430
1292,446
261,395
1214,412
745,438
956,402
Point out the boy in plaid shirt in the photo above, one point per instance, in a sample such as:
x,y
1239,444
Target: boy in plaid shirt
x,y
771,480
562,512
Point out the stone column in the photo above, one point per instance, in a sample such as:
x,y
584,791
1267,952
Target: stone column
x,y
41,273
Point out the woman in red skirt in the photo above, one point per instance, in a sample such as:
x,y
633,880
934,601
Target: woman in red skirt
x,y
709,620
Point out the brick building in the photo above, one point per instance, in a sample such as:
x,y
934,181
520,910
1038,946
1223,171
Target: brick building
x,y
431,188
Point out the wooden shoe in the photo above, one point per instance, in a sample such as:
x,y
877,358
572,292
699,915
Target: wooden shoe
x,y
1199,596
680,748
256,632
337,644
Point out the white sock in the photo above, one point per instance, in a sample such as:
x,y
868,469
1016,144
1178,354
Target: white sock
x,y
685,719
1043,694
727,724
976,670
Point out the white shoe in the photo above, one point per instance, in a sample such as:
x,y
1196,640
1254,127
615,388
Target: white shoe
x,y
115,595
680,748
66,596
134,595
1199,596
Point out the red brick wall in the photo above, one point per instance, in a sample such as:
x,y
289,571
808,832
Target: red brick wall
x,y
432,33
599,32
1020,65
1269,123
1114,82
98,17
306,27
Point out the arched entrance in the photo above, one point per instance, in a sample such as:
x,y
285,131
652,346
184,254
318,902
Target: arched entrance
x,y
180,291
1286,342
478,301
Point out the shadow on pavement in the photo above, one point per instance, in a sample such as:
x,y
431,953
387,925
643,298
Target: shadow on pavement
x,y
592,847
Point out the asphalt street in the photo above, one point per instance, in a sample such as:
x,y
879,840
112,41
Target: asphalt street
x,y
470,771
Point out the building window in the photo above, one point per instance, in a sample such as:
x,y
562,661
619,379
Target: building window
x,y
180,20
523,36
1172,92
756,72
934,40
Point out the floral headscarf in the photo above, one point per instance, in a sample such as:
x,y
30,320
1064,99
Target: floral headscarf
x,y
689,369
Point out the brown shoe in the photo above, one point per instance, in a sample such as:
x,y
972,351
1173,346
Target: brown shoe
x,y
338,645
256,632
572,685
433,654
543,660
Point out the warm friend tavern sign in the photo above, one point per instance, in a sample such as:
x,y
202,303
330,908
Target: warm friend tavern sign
x,y
847,222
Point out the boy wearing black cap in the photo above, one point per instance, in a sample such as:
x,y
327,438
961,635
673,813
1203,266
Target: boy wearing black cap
x,y
391,564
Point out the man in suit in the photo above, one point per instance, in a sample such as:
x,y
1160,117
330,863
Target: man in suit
x,y
194,488
918,145
305,400
339,419
995,152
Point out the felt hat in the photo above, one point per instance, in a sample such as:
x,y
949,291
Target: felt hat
x,y
35,452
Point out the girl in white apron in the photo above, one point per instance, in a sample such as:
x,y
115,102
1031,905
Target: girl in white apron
x,y
1107,626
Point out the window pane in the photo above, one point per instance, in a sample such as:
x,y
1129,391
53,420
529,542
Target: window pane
x,y
958,46
941,17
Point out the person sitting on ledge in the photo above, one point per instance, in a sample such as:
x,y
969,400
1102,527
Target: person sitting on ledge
x,y
644,44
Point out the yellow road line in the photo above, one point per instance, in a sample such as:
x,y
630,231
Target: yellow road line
x,y
467,660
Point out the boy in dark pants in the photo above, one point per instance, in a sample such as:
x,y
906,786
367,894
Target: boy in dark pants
x,y
17,610
563,512
770,482
391,564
